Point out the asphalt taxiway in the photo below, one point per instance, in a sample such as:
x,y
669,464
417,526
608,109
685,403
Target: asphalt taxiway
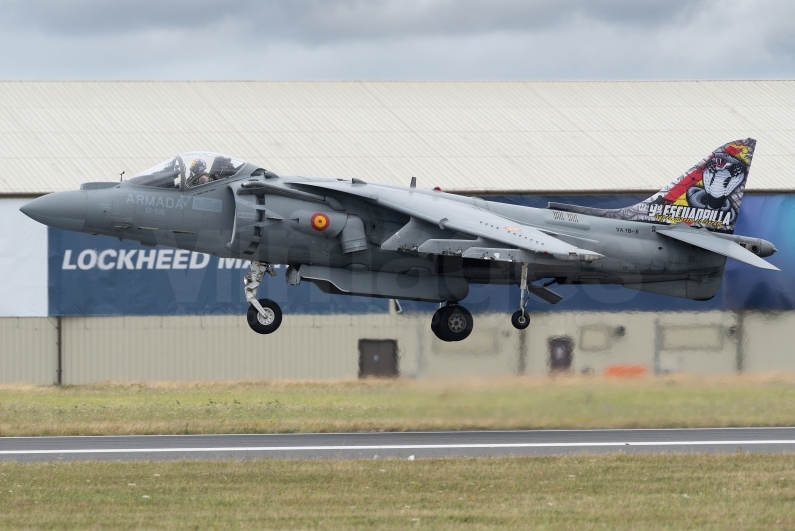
x,y
397,444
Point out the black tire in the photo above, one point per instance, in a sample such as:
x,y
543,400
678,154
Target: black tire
x,y
520,320
435,320
455,323
260,324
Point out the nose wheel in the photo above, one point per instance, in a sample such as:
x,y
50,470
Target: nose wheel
x,y
452,323
264,316
267,320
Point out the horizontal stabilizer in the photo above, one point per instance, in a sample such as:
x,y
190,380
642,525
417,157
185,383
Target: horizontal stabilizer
x,y
705,240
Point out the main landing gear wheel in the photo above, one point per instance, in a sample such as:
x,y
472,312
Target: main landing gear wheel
x,y
520,319
452,323
267,321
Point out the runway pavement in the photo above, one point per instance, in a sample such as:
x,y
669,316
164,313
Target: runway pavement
x,y
396,445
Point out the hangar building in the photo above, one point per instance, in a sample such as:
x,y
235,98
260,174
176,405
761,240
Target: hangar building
x,y
524,142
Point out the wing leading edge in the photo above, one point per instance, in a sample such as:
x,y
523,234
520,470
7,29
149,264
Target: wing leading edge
x,y
435,208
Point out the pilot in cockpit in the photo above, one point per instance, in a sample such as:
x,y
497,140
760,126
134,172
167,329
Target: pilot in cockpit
x,y
198,175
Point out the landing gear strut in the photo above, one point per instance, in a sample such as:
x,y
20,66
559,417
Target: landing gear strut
x,y
264,316
520,320
452,322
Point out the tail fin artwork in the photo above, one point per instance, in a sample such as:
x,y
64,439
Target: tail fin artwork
x,y
707,195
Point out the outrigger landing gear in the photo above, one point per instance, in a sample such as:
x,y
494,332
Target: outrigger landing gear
x,y
520,320
452,322
264,315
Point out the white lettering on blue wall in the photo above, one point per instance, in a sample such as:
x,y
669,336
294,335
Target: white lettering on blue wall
x,y
67,258
132,259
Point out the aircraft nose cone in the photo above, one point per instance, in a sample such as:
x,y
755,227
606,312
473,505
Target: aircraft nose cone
x,y
62,210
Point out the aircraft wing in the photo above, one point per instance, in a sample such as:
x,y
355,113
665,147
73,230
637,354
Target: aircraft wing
x,y
725,247
440,209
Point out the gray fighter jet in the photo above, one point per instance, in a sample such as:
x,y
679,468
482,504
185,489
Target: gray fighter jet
x,y
360,238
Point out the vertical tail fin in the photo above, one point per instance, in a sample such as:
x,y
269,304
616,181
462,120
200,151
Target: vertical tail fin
x,y
707,195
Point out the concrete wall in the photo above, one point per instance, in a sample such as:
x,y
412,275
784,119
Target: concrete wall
x,y
28,350
767,342
703,343
224,348
220,347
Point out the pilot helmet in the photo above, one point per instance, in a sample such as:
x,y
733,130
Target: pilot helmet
x,y
197,166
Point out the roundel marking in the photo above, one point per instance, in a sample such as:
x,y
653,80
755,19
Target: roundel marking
x,y
319,221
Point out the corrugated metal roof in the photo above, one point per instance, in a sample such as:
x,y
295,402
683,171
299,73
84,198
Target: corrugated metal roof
x,y
465,136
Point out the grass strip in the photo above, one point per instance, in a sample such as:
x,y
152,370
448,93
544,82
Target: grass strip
x,y
284,407
675,491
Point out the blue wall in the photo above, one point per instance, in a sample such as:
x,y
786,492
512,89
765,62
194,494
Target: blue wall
x,y
83,281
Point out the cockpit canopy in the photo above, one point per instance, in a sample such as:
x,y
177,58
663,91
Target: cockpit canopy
x,y
197,168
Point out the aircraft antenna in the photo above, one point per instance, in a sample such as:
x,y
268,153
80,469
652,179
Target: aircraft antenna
x,y
413,182
121,175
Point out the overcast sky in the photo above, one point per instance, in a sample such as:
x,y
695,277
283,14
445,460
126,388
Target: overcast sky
x,y
397,39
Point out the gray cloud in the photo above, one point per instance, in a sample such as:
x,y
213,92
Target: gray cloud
x,y
329,19
392,39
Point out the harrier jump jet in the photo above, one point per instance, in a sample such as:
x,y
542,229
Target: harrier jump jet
x,y
355,237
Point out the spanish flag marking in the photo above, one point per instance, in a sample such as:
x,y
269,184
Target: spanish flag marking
x,y
319,221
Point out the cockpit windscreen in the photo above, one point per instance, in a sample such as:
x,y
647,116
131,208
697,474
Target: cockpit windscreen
x,y
205,168
164,175
200,168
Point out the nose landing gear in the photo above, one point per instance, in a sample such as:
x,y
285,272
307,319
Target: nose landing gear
x,y
266,319
264,316
452,323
